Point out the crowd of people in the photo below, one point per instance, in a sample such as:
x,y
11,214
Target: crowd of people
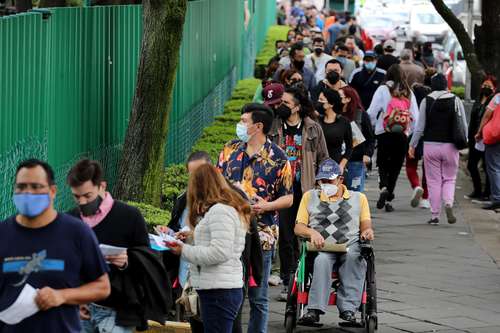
x,y
331,106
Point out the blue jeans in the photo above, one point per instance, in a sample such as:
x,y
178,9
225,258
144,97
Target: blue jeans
x,y
492,156
355,176
219,308
102,320
259,301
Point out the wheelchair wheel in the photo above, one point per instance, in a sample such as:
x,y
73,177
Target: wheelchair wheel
x,y
290,323
371,324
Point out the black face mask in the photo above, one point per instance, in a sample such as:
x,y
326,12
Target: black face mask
x,y
333,77
318,51
485,91
283,111
298,65
320,107
91,208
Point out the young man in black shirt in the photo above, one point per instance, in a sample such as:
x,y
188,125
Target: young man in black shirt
x,y
114,223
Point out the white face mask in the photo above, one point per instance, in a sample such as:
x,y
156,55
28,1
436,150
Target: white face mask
x,y
329,189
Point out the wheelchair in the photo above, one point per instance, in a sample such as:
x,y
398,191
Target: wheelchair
x,y
300,283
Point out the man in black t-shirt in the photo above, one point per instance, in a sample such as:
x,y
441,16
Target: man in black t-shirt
x,y
53,257
114,223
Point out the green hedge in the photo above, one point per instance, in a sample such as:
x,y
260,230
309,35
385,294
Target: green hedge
x,y
459,91
153,215
274,33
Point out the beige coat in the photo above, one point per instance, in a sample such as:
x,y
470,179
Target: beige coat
x,y
314,149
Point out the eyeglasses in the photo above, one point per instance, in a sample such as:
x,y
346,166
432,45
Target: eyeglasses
x,y
20,187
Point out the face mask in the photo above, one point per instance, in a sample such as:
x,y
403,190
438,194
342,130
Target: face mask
x,y
91,208
307,41
298,65
283,111
485,91
370,66
318,51
320,107
31,205
333,77
242,132
329,189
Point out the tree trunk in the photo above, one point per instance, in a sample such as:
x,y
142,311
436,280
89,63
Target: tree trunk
x,y
487,37
51,3
142,162
473,63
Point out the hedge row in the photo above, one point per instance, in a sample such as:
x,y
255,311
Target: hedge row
x,y
276,32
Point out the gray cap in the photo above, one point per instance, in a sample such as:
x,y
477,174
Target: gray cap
x,y
406,54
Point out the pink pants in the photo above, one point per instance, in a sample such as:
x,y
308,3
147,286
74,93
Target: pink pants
x,y
441,167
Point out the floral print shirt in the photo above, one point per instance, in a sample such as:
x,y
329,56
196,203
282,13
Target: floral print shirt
x,y
266,174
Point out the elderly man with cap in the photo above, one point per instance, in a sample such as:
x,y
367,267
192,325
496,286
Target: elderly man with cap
x,y
388,59
414,73
347,222
367,79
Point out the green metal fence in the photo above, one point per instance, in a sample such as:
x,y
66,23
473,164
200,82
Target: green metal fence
x,y
67,81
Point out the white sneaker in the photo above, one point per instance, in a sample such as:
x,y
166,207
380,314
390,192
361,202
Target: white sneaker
x,y
417,195
424,204
274,280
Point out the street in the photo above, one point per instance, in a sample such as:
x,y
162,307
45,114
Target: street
x,y
430,278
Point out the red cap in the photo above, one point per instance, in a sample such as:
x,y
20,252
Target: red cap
x,y
272,93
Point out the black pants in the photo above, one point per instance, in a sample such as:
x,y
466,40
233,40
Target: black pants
x,y
287,243
475,156
392,149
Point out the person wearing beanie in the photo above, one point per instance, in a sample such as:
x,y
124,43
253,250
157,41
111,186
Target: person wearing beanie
x,y
436,124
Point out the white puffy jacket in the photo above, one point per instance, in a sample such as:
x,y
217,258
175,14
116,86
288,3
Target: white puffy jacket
x,y
219,240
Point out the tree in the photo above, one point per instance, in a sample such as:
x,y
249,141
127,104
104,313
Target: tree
x,y
142,162
51,3
482,55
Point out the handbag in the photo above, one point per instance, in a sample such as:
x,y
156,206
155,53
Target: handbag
x,y
190,301
459,136
491,131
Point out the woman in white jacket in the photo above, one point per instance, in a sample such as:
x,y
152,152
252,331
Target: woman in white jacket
x,y
220,218
391,147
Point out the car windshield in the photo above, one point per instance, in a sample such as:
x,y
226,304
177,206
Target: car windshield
x,y
429,18
377,22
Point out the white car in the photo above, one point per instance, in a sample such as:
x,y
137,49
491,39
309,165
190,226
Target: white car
x,y
426,24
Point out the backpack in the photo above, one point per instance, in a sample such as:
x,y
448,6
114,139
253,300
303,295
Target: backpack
x,y
397,118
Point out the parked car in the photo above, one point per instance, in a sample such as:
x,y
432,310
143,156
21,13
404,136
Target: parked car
x,y
379,28
453,51
426,25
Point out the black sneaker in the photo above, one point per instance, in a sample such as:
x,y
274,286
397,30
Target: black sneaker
x,y
382,198
348,316
310,317
434,221
492,206
389,208
449,214
473,196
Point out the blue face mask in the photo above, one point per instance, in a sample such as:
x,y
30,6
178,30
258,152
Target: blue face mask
x,y
370,66
242,132
31,205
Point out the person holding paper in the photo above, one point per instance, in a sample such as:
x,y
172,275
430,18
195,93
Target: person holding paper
x,y
349,216
220,217
49,262
116,225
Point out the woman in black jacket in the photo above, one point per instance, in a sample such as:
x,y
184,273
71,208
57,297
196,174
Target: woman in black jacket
x,y
362,152
475,156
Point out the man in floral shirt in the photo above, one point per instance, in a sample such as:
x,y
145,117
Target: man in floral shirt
x,y
261,169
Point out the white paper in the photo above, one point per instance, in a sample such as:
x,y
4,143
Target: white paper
x,y
480,145
357,135
23,307
109,250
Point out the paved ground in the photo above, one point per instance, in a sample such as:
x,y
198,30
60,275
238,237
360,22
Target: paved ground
x,y
430,278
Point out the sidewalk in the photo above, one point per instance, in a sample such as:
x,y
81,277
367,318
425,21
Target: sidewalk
x,y
430,278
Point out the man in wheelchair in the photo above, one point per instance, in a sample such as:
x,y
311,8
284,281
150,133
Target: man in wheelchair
x,y
333,215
